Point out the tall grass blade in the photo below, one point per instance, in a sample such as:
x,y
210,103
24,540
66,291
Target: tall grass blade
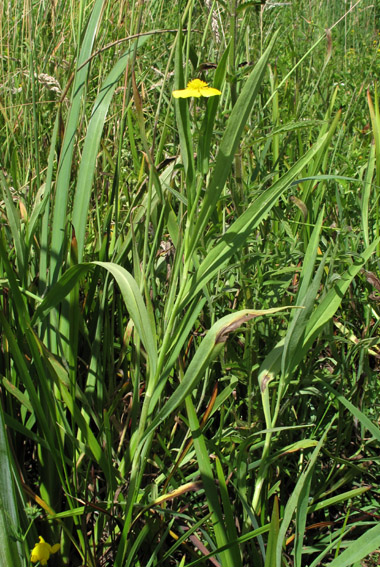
x,y
328,306
270,556
184,124
10,548
359,415
299,493
231,556
137,310
237,234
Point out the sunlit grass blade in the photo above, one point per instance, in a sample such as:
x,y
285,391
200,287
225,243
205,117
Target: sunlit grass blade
x,y
183,123
229,143
91,146
58,229
270,556
207,128
366,193
375,121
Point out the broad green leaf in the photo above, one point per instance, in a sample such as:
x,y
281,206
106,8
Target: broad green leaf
x,y
205,354
137,310
359,549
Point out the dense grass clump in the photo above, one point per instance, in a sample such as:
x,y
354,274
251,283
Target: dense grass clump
x,y
189,302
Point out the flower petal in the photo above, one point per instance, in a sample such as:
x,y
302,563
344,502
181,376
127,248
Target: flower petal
x,y
186,93
55,548
209,91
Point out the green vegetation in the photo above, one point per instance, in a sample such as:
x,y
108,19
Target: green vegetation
x,y
189,304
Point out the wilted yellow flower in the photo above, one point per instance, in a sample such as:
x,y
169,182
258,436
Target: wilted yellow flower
x,y
42,551
196,88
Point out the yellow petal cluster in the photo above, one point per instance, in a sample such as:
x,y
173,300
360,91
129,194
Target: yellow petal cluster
x,y
196,88
42,551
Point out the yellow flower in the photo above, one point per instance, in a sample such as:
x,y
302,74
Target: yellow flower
x,y
42,551
196,88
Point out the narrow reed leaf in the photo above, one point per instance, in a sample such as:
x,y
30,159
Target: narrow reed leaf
x,y
40,203
306,296
301,518
374,112
60,290
228,513
207,128
364,420
90,444
330,303
45,230
182,332
17,297
14,221
270,556
337,499
366,193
